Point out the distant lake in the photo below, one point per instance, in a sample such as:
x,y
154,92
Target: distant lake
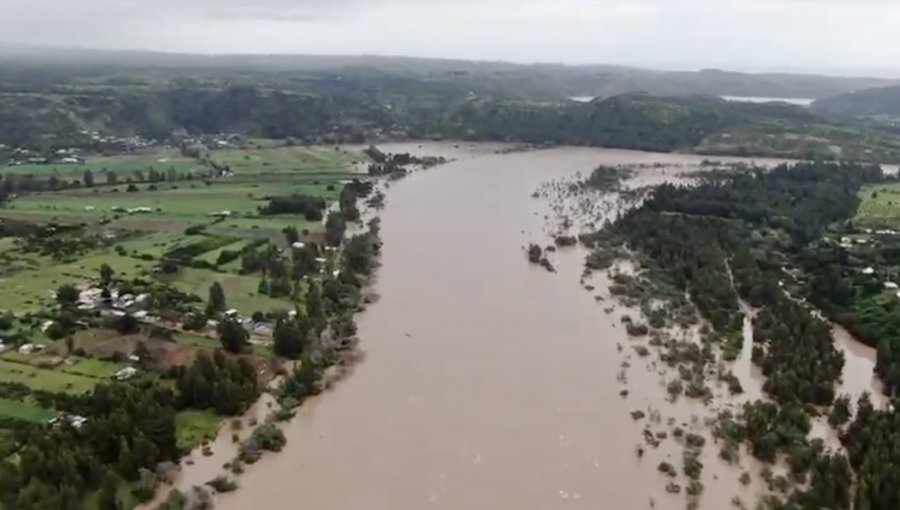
x,y
799,101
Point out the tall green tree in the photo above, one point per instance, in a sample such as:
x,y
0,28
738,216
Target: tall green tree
x,y
233,336
217,298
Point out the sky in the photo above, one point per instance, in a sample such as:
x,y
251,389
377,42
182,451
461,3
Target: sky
x,y
847,36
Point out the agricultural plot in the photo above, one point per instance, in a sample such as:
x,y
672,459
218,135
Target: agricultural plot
x,y
24,411
287,160
33,284
44,379
171,208
242,292
880,206
125,166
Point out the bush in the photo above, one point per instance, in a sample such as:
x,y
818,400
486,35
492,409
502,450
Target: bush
x,y
194,230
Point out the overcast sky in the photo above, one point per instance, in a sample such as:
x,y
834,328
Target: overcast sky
x,y
856,36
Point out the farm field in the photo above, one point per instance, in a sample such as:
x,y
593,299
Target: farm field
x,y
24,411
880,206
164,262
123,166
287,160
242,292
176,205
45,379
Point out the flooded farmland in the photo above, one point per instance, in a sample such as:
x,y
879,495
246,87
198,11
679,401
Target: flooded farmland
x,y
488,382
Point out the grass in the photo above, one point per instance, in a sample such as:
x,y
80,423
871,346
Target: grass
x,y
880,205
25,411
291,160
42,379
192,428
7,243
123,166
204,342
240,291
213,256
38,277
180,208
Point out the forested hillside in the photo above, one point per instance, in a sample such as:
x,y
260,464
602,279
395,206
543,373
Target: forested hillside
x,y
875,102
42,111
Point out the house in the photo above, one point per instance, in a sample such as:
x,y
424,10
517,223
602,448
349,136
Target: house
x,y
45,326
220,214
89,208
868,271
125,374
75,420
134,358
891,286
298,245
140,314
232,314
26,349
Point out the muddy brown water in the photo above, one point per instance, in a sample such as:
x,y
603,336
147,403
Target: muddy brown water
x,y
488,383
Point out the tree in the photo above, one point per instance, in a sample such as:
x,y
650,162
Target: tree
x,y
335,226
217,298
111,178
288,339
67,295
291,235
127,324
106,274
108,498
233,336
88,179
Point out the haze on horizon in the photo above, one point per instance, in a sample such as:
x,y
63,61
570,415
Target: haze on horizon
x,y
853,37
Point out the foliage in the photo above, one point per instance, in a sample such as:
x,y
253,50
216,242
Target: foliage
x,y
225,385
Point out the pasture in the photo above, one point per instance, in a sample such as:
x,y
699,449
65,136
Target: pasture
x,y
880,206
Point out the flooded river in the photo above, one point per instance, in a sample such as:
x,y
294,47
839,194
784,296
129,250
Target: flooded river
x,y
488,382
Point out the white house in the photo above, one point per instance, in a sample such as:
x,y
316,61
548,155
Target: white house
x,y
298,245
26,349
125,374
868,271
891,286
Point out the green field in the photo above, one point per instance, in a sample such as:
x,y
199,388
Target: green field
x,y
35,282
24,411
880,206
240,291
124,166
205,342
42,379
291,160
195,427
175,209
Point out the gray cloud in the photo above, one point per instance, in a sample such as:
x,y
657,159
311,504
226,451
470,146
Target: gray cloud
x,y
857,35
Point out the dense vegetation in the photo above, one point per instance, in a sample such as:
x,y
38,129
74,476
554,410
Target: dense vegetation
x,y
354,106
739,235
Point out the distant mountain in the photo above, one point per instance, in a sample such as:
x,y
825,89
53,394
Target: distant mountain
x,y
534,82
877,103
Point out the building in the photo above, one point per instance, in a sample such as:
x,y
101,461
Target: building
x,y
125,374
